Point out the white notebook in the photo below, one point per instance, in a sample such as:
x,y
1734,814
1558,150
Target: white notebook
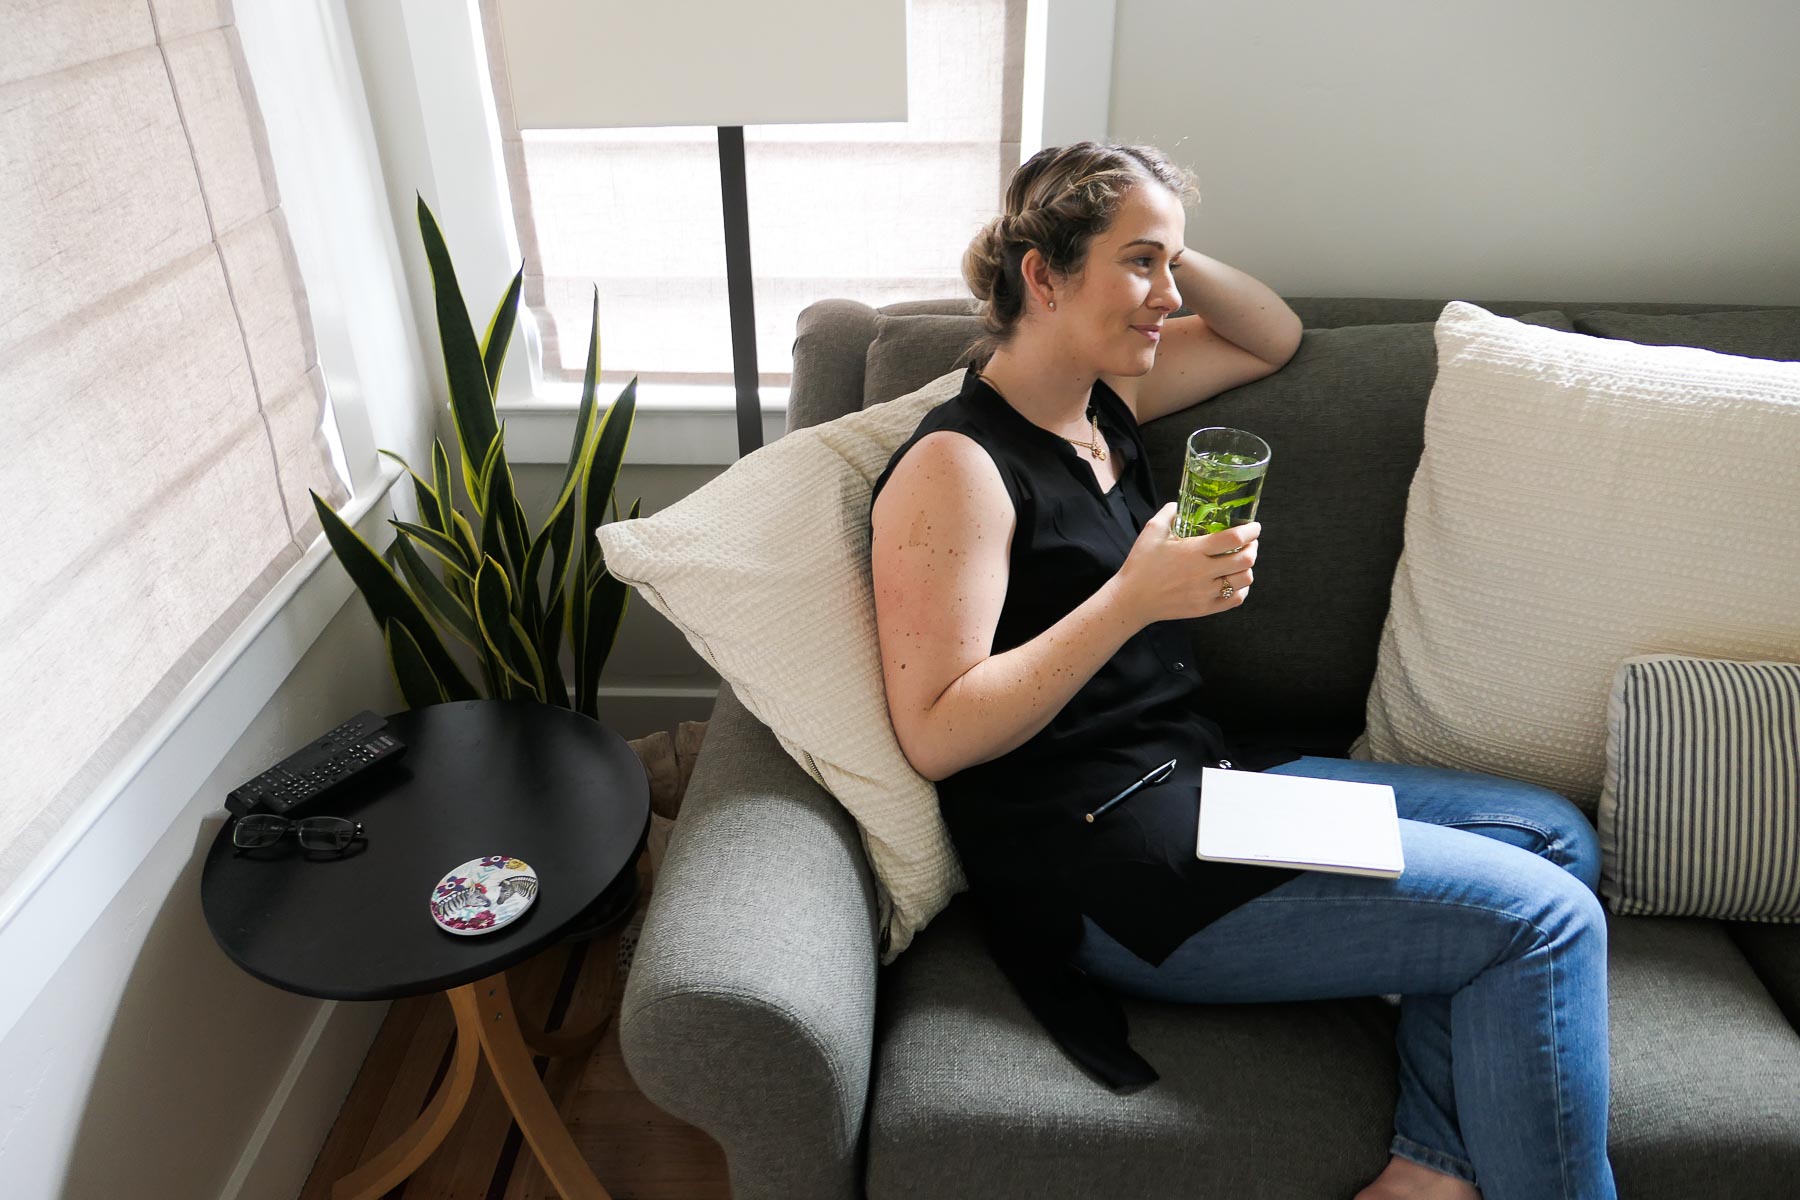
x,y
1288,821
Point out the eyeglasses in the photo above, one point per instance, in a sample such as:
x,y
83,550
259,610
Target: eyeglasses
x,y
256,830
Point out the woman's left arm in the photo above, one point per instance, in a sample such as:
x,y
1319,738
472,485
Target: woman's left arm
x,y
1240,309
1239,332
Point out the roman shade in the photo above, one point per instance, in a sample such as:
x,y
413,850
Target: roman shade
x,y
165,413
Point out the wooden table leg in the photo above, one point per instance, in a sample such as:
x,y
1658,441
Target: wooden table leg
x,y
380,1175
487,1005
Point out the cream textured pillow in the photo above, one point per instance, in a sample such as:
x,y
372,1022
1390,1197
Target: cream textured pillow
x,y
765,569
1580,501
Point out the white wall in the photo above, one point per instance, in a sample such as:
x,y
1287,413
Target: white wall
x,y
146,1063
1538,149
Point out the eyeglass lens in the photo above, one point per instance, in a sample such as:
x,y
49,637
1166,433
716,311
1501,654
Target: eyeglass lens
x,y
315,833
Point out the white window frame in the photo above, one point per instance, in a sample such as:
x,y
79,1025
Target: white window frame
x,y
452,124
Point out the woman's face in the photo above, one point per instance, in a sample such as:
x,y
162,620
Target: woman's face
x,y
1108,313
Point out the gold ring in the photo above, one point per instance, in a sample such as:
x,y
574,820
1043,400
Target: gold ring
x,y
1226,591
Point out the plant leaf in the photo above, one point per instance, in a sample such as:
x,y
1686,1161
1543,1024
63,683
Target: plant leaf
x,y
550,636
440,483
438,601
605,610
478,497
446,548
553,539
523,648
585,415
471,399
600,599
499,331
412,674
423,494
493,614
601,473
388,598
465,537
501,507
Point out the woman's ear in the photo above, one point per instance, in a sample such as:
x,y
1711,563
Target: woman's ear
x,y
1041,283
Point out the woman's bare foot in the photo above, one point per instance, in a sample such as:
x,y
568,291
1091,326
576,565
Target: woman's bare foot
x,y
1407,1180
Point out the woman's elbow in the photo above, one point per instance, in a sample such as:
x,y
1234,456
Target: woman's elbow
x,y
916,744
1290,342
918,756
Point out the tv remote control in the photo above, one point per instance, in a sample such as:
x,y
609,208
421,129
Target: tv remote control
x,y
318,767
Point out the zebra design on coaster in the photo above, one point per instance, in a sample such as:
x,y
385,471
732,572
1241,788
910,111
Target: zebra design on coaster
x,y
483,894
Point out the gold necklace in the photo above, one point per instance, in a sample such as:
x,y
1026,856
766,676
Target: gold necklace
x,y
1097,447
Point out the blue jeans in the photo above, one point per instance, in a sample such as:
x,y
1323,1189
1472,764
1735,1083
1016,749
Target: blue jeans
x,y
1496,942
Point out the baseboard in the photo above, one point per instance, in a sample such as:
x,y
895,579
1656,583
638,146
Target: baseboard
x,y
632,710
280,1153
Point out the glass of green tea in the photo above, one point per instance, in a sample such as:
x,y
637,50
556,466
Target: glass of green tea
x,y
1221,480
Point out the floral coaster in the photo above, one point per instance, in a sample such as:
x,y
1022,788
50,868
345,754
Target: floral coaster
x,y
483,894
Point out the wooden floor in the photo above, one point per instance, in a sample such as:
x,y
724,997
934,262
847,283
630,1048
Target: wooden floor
x,y
637,1151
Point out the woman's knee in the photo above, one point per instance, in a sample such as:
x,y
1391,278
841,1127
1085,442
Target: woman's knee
x,y
1563,911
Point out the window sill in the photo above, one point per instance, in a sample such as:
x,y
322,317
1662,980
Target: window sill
x,y
675,424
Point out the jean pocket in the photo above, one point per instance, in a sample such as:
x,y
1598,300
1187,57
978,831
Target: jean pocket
x,y
1509,828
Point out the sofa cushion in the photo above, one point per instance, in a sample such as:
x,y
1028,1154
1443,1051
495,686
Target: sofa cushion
x,y
1705,1069
1760,333
765,570
973,1099
1343,419
1579,501
910,351
1697,813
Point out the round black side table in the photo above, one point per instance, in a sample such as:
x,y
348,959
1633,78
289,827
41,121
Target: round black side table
x,y
481,777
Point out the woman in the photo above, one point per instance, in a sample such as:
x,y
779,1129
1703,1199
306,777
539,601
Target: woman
x,y
1026,589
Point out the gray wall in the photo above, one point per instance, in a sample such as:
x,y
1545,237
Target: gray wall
x,y
1606,150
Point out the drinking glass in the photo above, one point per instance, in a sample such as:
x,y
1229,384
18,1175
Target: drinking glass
x,y
1221,480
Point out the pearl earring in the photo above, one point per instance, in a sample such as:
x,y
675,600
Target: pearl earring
x,y
1053,306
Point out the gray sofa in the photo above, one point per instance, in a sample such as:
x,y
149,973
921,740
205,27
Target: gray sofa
x,y
756,1010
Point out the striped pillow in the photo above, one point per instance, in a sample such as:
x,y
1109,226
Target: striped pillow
x,y
1700,811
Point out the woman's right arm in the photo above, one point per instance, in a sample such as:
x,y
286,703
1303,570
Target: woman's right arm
x,y
939,555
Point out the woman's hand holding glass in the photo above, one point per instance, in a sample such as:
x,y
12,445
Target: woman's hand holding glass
x,y
1169,578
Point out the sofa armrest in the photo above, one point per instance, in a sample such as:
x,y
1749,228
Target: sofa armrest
x,y
750,1007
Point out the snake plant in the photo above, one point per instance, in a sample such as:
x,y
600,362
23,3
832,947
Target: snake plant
x,y
486,579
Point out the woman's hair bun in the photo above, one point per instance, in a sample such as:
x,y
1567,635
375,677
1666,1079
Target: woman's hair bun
x,y
983,264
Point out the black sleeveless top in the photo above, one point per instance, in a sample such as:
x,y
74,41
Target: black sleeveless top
x,y
1033,862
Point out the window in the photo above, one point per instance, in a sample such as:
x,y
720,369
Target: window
x,y
872,212
161,375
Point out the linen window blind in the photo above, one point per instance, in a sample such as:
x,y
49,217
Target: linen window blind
x,y
164,409
877,212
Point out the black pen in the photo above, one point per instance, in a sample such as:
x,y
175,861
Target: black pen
x,y
1156,776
